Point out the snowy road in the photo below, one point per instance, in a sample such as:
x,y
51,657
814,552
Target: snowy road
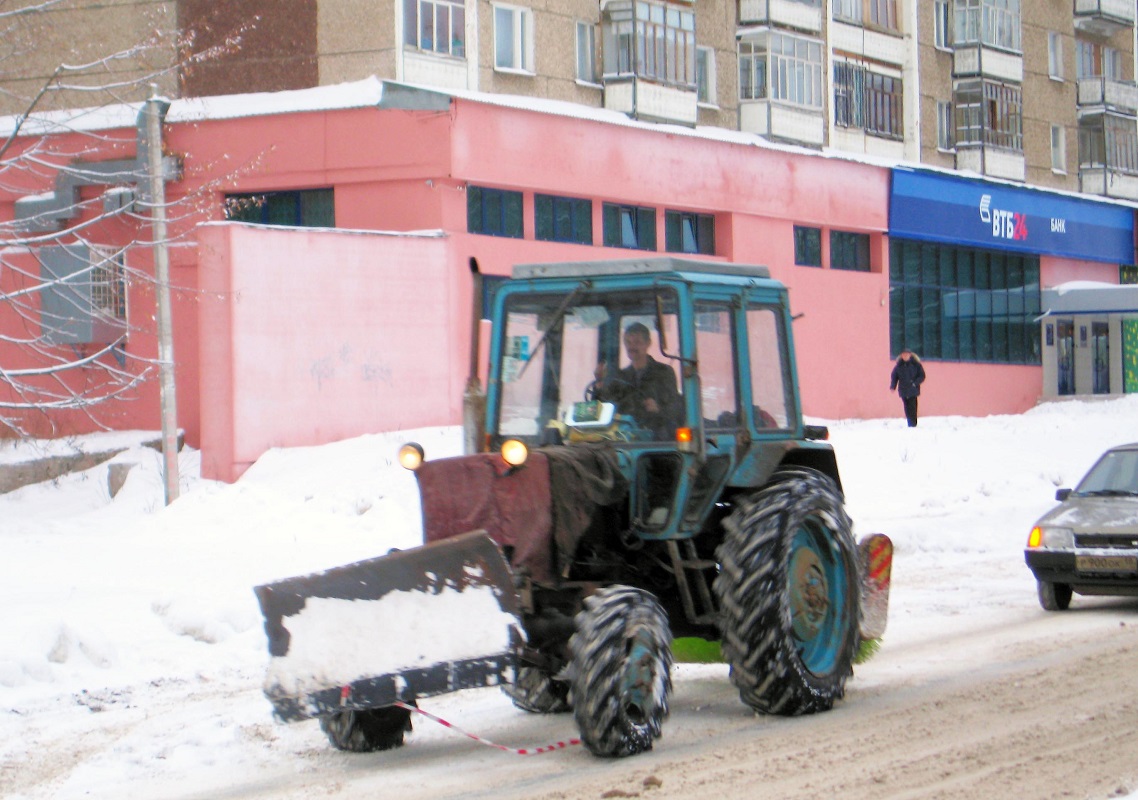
x,y
132,657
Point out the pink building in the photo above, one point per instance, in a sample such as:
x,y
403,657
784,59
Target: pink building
x,y
302,334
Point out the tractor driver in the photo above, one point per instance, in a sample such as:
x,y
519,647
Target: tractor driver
x,y
646,389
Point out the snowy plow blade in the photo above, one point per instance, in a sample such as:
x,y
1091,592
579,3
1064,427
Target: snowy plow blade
x,y
414,623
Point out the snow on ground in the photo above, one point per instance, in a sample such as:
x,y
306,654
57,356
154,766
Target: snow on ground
x,y
120,603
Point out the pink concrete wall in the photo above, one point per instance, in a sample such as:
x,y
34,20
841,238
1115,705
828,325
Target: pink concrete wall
x,y
1054,271
304,334
315,336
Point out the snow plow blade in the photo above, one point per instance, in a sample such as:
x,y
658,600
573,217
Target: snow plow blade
x,y
876,555
414,623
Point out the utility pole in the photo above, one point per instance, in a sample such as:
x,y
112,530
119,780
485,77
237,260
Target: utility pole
x,y
155,111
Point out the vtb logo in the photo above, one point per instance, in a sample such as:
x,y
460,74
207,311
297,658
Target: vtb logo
x,y
1005,224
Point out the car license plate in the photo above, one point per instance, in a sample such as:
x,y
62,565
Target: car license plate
x,y
1106,563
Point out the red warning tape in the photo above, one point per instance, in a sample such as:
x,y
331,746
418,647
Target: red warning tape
x,y
523,751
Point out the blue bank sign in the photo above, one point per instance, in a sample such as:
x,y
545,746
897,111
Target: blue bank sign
x,y
946,208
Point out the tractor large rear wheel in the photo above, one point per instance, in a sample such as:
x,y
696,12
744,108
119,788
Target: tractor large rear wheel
x,y
621,671
365,731
788,592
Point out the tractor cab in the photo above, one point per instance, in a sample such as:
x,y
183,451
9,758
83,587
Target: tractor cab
x,y
714,382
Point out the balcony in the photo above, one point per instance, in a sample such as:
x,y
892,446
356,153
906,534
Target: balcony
x,y
783,122
990,160
804,15
1106,181
1104,17
876,45
974,59
645,99
1097,95
430,69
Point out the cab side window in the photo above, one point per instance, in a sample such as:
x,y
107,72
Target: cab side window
x,y
715,349
770,383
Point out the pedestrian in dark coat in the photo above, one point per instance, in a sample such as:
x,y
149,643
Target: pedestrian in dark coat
x,y
908,375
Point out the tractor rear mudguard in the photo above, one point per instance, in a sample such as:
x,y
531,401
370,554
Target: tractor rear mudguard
x,y
415,623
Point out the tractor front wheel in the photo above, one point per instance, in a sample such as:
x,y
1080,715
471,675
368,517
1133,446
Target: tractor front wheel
x,y
367,730
788,591
621,671
536,691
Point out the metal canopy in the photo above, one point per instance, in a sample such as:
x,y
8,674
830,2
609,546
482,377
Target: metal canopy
x,y
1089,298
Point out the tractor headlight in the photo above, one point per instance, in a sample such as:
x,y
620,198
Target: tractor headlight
x,y
1051,538
411,456
514,452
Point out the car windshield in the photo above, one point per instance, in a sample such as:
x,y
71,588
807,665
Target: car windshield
x,y
1116,473
554,342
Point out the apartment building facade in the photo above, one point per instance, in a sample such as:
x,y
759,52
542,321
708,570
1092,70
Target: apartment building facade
x,y
1039,93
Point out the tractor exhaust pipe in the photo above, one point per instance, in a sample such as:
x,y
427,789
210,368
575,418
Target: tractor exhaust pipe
x,y
474,398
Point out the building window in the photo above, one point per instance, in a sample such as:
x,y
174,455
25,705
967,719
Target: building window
x,y
436,26
795,66
848,11
661,36
991,22
849,251
942,24
494,212
1096,61
705,76
752,71
1058,148
964,304
807,246
687,232
629,226
308,208
989,114
83,297
586,52
880,13
864,99
1055,55
563,219
883,13
1108,142
513,38
944,126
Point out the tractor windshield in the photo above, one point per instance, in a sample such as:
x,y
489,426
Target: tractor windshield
x,y
560,350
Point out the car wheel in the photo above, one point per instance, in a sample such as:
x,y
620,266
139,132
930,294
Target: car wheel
x,y
1054,596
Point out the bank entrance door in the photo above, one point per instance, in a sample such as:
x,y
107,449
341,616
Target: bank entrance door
x,y
1100,352
1065,353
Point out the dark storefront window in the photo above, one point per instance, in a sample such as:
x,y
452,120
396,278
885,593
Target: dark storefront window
x,y
307,208
688,232
563,219
964,304
494,212
807,246
849,251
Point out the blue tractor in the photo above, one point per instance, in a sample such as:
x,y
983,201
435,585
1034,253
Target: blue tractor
x,y
644,477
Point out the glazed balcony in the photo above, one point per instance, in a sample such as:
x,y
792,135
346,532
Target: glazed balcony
x,y
1104,17
1096,95
803,15
986,159
643,98
783,122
